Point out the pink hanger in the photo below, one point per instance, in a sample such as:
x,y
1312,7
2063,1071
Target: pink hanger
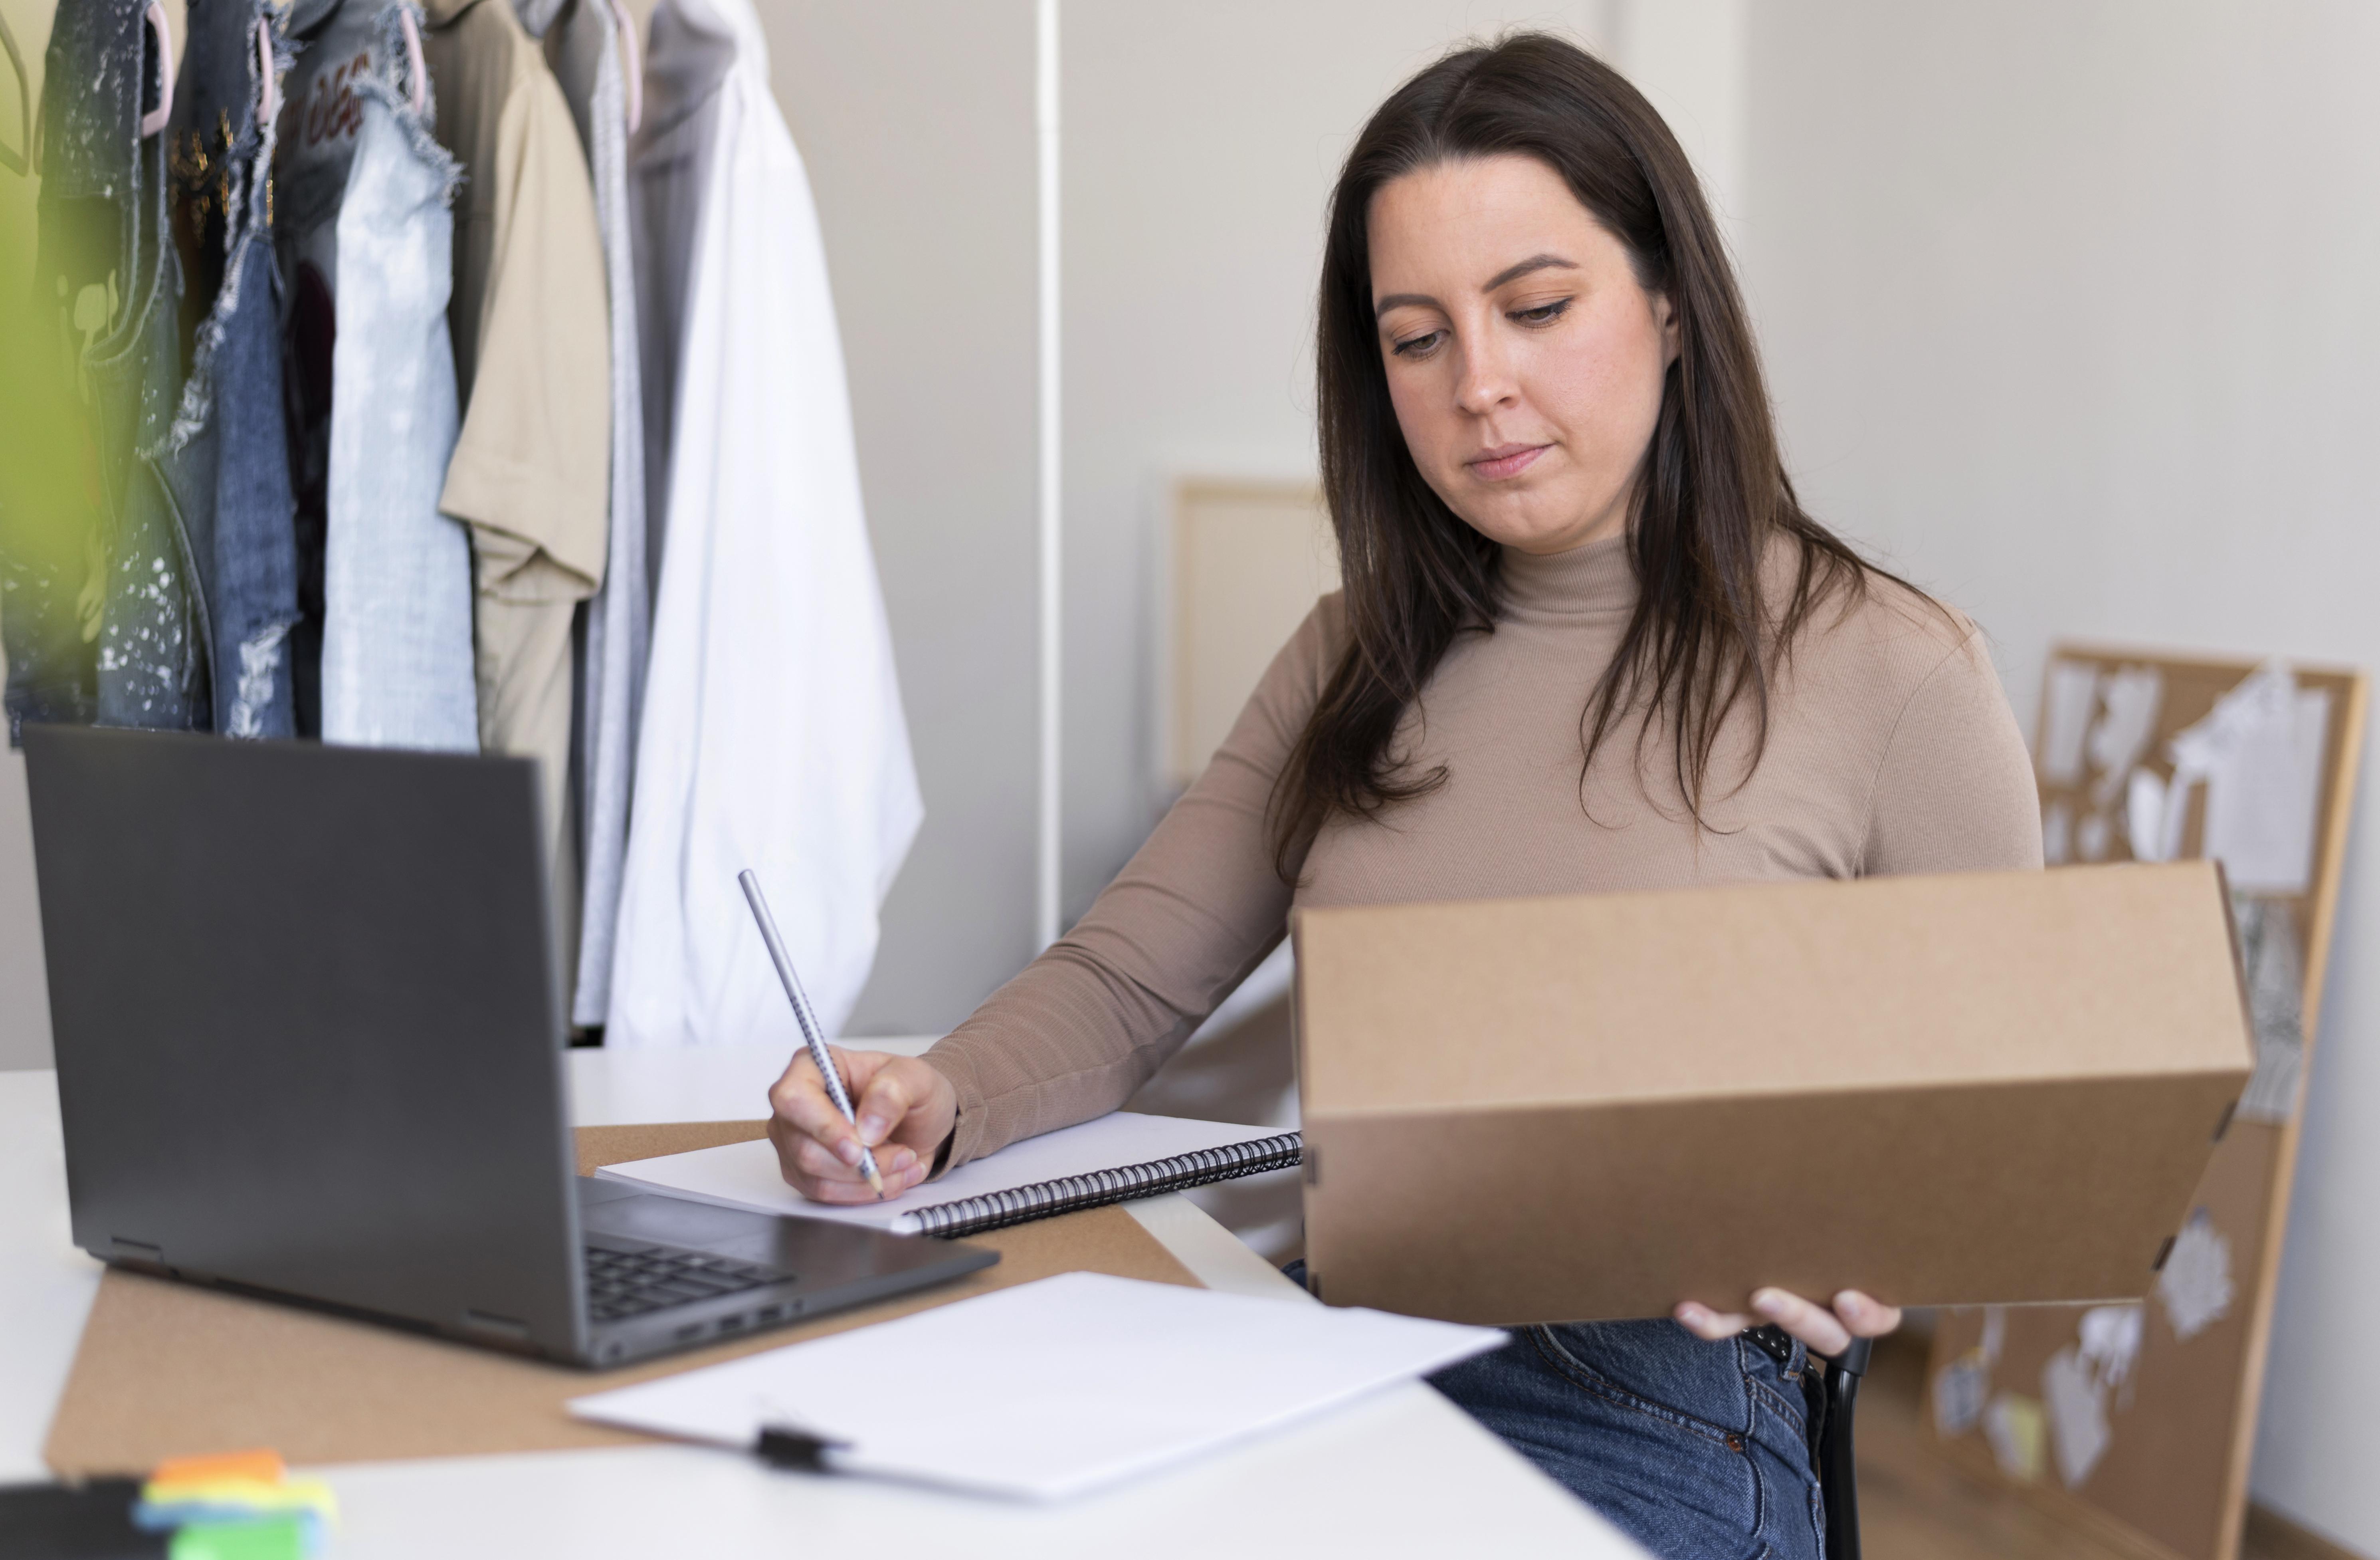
x,y
632,72
268,88
416,74
155,120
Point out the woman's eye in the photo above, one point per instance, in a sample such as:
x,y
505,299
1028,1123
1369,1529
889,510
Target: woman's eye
x,y
1543,314
1417,346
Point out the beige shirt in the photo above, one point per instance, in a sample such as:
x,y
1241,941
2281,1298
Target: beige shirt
x,y
531,323
529,314
1891,748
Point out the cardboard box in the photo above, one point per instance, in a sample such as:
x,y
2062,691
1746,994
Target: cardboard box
x,y
1981,1087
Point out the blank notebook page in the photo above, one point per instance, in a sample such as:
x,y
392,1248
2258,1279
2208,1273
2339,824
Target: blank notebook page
x,y
747,1176
1051,1389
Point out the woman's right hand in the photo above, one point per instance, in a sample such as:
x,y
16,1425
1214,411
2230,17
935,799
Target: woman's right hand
x,y
907,1109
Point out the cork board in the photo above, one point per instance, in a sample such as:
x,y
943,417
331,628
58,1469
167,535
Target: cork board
x,y
2137,1423
1249,558
167,1369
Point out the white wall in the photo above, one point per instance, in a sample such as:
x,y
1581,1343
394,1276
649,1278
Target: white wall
x,y
2071,310
1200,145
915,120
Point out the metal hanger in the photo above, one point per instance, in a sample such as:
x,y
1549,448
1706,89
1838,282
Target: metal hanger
x,y
632,70
20,160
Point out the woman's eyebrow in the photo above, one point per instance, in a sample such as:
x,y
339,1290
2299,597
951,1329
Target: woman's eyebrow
x,y
1534,262
1510,273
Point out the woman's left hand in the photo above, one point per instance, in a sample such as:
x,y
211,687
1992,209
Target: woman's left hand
x,y
1827,1332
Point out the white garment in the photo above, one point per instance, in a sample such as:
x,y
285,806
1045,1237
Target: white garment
x,y
582,45
773,733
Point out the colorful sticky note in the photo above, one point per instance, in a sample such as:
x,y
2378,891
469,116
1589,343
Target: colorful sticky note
x,y
262,1464
277,1537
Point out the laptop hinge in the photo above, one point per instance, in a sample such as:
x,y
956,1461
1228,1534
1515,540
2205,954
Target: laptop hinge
x,y
501,1326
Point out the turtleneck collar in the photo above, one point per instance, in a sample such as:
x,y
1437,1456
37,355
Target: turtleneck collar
x,y
1595,580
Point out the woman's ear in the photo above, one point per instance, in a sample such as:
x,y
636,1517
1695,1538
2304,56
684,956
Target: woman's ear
x,y
1666,317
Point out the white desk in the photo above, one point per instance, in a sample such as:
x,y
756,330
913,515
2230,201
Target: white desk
x,y
1403,1473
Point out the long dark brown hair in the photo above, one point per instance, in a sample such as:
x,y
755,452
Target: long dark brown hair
x,y
1711,500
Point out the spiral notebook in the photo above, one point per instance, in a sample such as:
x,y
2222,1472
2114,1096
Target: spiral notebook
x,y
1114,1159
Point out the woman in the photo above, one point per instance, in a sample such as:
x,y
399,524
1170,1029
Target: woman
x,y
1588,642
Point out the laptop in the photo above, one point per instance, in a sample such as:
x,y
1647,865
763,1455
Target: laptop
x,y
307,1015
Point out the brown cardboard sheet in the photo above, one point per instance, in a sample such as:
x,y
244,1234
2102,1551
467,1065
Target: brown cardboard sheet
x,y
1979,1088
168,1369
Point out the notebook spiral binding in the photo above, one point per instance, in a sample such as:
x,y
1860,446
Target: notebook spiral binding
x,y
971,1216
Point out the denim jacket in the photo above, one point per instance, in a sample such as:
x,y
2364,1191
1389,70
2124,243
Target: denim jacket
x,y
366,242
101,618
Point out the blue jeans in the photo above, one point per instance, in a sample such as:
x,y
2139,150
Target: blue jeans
x,y
1697,1451
225,462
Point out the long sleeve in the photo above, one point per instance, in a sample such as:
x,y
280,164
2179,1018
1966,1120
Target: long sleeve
x,y
1955,791
1197,909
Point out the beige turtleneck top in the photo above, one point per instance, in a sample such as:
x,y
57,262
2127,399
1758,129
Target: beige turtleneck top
x,y
1891,748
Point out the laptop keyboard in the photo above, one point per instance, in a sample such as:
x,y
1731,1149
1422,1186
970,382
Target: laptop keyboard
x,y
624,1284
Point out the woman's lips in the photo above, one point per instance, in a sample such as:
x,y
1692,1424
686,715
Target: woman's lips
x,y
1506,460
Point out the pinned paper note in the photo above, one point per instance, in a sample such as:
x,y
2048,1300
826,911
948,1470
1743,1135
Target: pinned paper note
x,y
2066,720
2110,1343
2259,754
2195,1284
2145,807
2013,1426
2076,1407
2056,834
2091,838
2129,706
1994,1335
1960,1389
2082,1382
2272,956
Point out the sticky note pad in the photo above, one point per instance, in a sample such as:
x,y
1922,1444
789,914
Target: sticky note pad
x,y
261,1464
278,1537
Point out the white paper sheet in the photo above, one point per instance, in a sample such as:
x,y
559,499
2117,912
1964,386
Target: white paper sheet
x,y
2144,817
2091,838
2077,1408
2056,834
2259,753
1049,1389
2195,1284
2111,1341
2066,720
2130,702
1960,1389
2269,951
747,1176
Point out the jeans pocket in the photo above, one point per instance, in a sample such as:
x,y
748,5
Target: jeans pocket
x,y
1632,1373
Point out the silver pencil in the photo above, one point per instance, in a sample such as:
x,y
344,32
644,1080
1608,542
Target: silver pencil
x,y
812,1035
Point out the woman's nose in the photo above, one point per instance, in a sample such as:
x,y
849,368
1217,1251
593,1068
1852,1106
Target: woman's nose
x,y
1486,379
